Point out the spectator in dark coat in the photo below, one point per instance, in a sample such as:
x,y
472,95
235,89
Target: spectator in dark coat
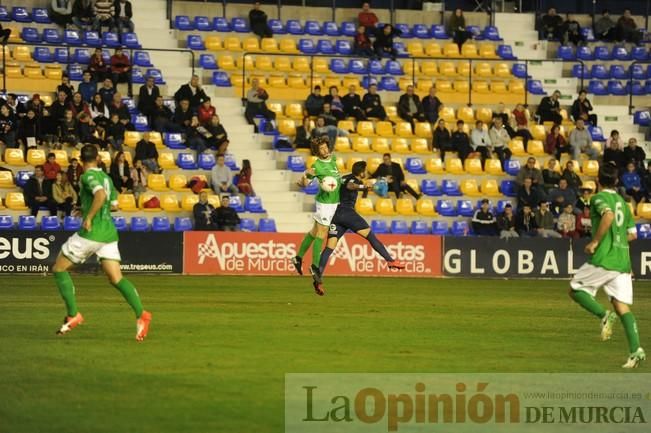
x,y
121,173
525,222
28,127
60,12
383,44
107,91
123,16
582,107
362,43
527,194
38,192
161,117
303,138
457,28
191,91
635,153
87,87
627,29
226,217
549,109
353,104
410,108
395,177
432,105
573,179
83,14
59,107
147,97
551,26
506,223
182,116
258,22
551,176
147,153
372,104
314,102
442,139
203,213
605,28
483,221
572,31
460,142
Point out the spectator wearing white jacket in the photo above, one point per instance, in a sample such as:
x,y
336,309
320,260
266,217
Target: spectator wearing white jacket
x,y
500,138
480,141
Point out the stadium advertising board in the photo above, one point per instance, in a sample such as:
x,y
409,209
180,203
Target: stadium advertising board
x,y
527,257
24,252
226,253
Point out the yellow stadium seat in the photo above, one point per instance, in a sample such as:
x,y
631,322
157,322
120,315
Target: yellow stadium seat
x,y
350,81
282,64
33,71
643,210
498,87
320,65
301,64
263,63
403,129
157,182
365,128
237,80
451,50
277,82
435,166
425,207
502,70
423,130
364,206
15,157
398,161
516,86
384,206
536,148
590,168
538,132
156,138
372,164
61,157
487,51
346,125
166,160
213,43
127,202
7,53
415,49
447,114
493,167
341,164
469,50
15,201
414,184
447,69
590,184
47,100
480,87
214,200
489,188
461,86
467,114
277,108
288,46
419,145
169,203
463,69
404,82
453,166
179,183
287,127
392,113
145,197
22,54
342,145
251,45
232,43
361,145
131,138
226,62
269,45
399,145
470,187
36,156
294,111
443,86
380,145
331,81
349,163
433,49
245,62
517,148
13,70
473,166
384,129
53,72
6,179
428,69
484,114
188,202
483,70
404,206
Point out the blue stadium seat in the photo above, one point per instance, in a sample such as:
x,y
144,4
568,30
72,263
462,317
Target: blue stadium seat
x,y
130,40
648,71
445,208
51,222
138,224
584,53
221,79
579,70
419,227
220,24
43,55
596,133
509,188
438,32
240,25
20,14
140,122
367,79
491,33
596,87
643,231
501,204
475,32
505,52
110,39
207,161
635,87
460,228
600,72
420,31
186,161
267,225
61,55
52,36
160,224
394,68
401,49
313,28
207,61
296,163
621,53
616,88
231,162
639,53
182,22
235,202
312,188
512,167
638,71
130,104
348,28
450,187
331,29
247,225
277,27
82,56
307,46
195,42
388,83
325,46
141,58
4,13
203,24
121,223
156,74
375,67
71,224
379,227
137,77
519,70
399,227
30,34
92,39
588,34
535,87
440,228
294,27
22,177
6,222
253,204
430,188
465,208
642,118
618,72
27,222
357,67
406,31
565,52
40,15
173,140
338,66
182,224
415,166
602,53
275,143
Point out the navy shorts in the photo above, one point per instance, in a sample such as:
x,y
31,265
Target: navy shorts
x,y
346,219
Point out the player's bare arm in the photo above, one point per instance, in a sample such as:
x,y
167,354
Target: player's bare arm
x,y
606,221
98,200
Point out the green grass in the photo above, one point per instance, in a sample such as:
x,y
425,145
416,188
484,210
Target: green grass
x,y
219,347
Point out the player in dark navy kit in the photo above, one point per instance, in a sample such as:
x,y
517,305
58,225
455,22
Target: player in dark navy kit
x,y
346,218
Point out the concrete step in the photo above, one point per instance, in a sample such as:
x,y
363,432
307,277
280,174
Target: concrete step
x,y
513,22
295,222
270,186
272,176
274,208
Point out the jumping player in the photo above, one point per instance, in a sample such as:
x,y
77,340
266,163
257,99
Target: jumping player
x,y
326,204
346,218
97,236
610,265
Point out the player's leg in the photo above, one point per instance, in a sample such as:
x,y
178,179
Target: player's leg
x,y
380,248
620,290
584,287
317,248
331,244
308,239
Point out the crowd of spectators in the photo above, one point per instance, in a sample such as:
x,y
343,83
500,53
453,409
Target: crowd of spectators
x,y
553,27
113,15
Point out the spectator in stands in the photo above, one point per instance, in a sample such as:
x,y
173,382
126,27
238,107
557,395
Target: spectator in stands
x,y
632,183
97,67
521,116
191,91
549,109
584,199
66,87
562,195
162,117
115,132
123,16
28,132
78,106
118,107
442,139
121,174
59,107
551,26
506,223
372,104
182,116
605,28
567,222
49,130
480,141
555,143
196,136
16,107
255,105
367,18
353,104
203,214
64,194
99,111
60,12
139,175
431,106
635,153
410,108
87,87
500,138
314,102
51,167
120,67
83,14
483,221
457,28
38,193
258,22
221,178
219,138
581,142
572,32
584,223
205,112
525,223
147,153
573,179
331,132
244,183
362,43
107,91
35,104
383,44
104,15
328,115
627,30
8,125
545,221
225,216
582,107
551,175
68,130
647,182
395,177
614,141
303,135
147,98
528,194
336,103
75,170
460,142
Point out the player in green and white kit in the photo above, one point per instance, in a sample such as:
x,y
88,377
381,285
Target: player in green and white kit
x,y
610,265
97,236
326,205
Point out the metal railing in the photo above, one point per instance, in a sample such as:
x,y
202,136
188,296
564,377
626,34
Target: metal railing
x,y
631,107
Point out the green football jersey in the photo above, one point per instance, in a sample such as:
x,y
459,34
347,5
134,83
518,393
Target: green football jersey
x,y
102,229
612,253
323,168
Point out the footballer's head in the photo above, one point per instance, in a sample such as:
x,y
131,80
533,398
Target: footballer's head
x,y
359,169
608,175
320,147
89,154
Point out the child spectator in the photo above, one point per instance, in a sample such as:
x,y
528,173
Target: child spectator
x,y
115,132
362,43
632,183
244,179
584,223
51,167
206,112
567,222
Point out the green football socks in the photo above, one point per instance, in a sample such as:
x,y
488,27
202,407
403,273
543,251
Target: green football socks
x,y
67,290
588,302
630,327
305,245
130,294
316,251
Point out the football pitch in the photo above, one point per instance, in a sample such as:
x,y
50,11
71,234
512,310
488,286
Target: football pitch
x,y
219,347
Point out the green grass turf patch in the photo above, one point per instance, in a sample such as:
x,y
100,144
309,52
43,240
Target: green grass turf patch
x,y
219,347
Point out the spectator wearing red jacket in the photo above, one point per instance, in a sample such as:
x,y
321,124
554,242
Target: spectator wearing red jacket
x,y
51,167
205,112
367,18
120,67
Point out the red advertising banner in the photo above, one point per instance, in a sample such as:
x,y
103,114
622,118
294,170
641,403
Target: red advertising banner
x,y
227,253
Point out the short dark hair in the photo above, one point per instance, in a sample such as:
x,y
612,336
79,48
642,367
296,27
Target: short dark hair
x,y
460,122
89,153
359,167
38,167
386,154
583,91
221,155
608,175
51,155
485,201
317,87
